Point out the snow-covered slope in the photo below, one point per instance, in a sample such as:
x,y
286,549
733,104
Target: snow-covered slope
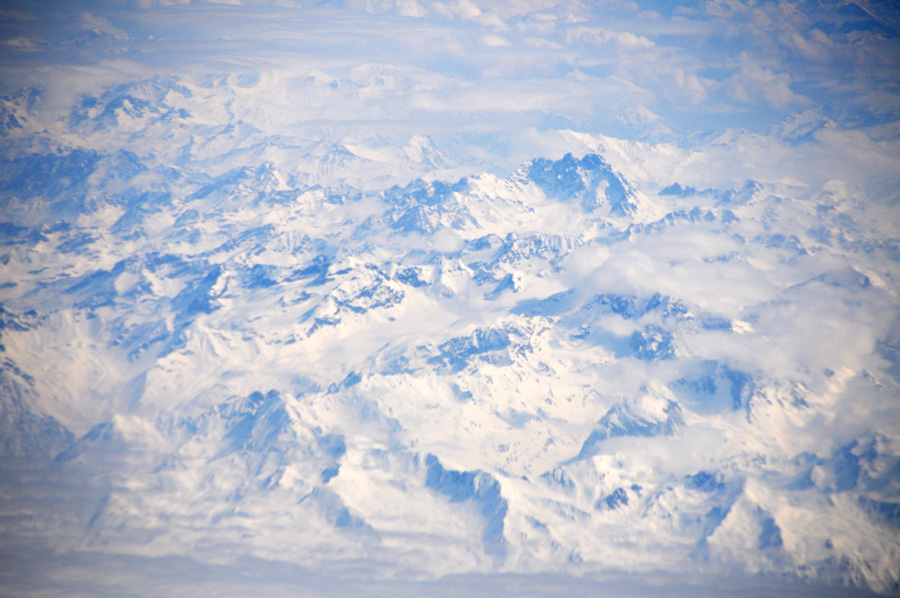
x,y
607,360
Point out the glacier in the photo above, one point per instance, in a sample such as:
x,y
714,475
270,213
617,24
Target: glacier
x,y
255,332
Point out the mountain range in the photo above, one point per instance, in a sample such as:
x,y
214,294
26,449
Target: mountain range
x,y
226,343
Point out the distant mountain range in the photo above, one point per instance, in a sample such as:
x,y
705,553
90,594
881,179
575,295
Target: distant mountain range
x,y
237,347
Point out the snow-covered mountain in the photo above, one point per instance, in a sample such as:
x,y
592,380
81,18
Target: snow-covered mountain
x,y
568,369
530,294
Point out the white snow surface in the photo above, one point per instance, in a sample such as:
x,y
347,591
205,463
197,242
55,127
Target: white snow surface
x,y
236,327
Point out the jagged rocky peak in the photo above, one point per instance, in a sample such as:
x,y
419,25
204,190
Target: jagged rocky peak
x,y
428,193
26,432
590,180
481,489
654,412
17,111
149,99
262,181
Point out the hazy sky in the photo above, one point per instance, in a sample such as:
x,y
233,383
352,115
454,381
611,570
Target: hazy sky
x,y
630,69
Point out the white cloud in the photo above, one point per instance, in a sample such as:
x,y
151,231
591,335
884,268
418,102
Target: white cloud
x,y
91,22
689,83
410,8
539,42
494,41
599,36
21,43
754,83
464,9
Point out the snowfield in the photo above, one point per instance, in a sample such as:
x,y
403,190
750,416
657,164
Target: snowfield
x,y
228,342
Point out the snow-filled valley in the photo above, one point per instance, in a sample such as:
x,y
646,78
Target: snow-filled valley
x,y
223,339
